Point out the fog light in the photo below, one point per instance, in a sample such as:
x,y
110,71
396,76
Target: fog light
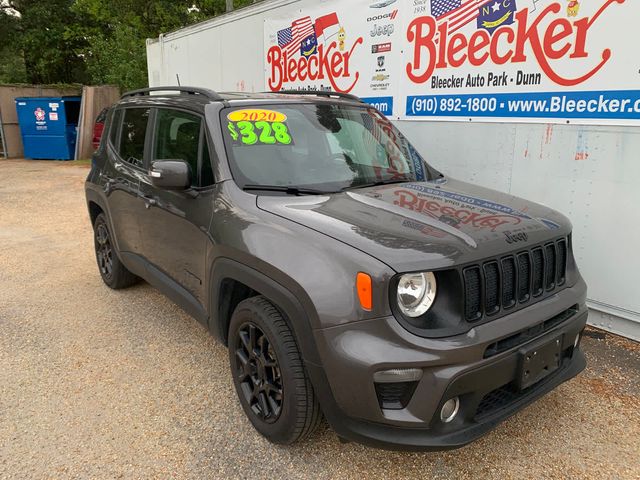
x,y
450,409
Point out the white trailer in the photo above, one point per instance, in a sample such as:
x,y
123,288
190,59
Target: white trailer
x,y
587,168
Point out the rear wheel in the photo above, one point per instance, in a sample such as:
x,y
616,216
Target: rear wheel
x,y
268,373
112,271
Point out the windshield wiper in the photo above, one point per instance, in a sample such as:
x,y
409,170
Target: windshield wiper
x,y
376,184
289,190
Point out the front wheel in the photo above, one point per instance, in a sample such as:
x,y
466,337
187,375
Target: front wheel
x,y
268,373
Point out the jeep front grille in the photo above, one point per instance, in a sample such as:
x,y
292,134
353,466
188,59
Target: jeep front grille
x,y
500,284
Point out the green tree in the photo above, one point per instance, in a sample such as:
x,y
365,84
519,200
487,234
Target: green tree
x,y
39,43
119,29
11,61
90,41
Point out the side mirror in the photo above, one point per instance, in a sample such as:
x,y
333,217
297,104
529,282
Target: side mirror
x,y
170,174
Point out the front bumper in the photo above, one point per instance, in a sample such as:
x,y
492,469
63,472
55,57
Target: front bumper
x,y
453,366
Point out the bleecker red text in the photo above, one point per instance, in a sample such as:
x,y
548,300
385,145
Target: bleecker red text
x,y
329,63
558,38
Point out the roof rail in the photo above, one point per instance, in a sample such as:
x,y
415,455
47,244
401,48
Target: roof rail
x,y
322,93
210,94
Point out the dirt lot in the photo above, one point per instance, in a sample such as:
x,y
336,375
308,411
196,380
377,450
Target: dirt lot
x,y
102,384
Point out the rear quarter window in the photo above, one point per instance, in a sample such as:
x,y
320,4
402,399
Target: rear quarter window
x,y
114,128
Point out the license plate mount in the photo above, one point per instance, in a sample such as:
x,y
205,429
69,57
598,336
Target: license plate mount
x,y
539,361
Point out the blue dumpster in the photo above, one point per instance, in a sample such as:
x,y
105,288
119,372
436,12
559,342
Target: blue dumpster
x,y
48,126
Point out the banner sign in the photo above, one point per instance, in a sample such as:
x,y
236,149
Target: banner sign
x,y
523,59
519,60
341,46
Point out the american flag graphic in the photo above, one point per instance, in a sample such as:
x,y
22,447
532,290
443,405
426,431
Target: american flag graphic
x,y
371,124
457,13
440,7
290,38
382,138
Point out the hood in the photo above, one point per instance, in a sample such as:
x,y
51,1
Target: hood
x,y
424,225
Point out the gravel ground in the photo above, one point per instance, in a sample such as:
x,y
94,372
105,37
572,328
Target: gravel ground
x,y
102,384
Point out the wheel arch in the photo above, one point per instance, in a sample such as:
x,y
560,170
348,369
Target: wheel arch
x,y
298,318
94,210
96,204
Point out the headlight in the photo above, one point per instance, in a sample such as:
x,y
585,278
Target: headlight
x,y
416,293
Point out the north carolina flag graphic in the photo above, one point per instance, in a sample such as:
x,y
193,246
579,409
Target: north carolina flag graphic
x,y
497,13
309,46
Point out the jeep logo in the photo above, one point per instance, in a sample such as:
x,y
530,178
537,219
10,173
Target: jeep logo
x,y
516,237
380,30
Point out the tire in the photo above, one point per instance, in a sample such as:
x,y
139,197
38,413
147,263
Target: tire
x,y
114,274
269,375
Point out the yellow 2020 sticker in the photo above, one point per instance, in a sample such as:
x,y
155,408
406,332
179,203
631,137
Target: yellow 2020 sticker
x,y
257,115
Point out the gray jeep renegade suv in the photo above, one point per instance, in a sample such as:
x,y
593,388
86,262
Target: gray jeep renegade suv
x,y
345,274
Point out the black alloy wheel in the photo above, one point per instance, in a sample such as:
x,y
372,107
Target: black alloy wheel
x,y
268,373
258,372
112,271
104,251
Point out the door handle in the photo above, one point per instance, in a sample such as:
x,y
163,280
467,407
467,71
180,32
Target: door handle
x,y
149,201
108,186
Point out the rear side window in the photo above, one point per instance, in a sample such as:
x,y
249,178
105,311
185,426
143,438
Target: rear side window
x,y
134,129
179,136
114,129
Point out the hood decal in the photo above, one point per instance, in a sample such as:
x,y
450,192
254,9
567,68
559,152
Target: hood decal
x,y
473,201
420,219
454,213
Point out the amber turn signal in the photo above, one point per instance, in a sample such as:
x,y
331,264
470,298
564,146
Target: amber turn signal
x,y
363,285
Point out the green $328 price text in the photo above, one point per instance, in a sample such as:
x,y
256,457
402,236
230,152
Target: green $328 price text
x,y
268,133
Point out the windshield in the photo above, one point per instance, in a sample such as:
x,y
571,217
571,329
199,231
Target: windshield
x,y
325,147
